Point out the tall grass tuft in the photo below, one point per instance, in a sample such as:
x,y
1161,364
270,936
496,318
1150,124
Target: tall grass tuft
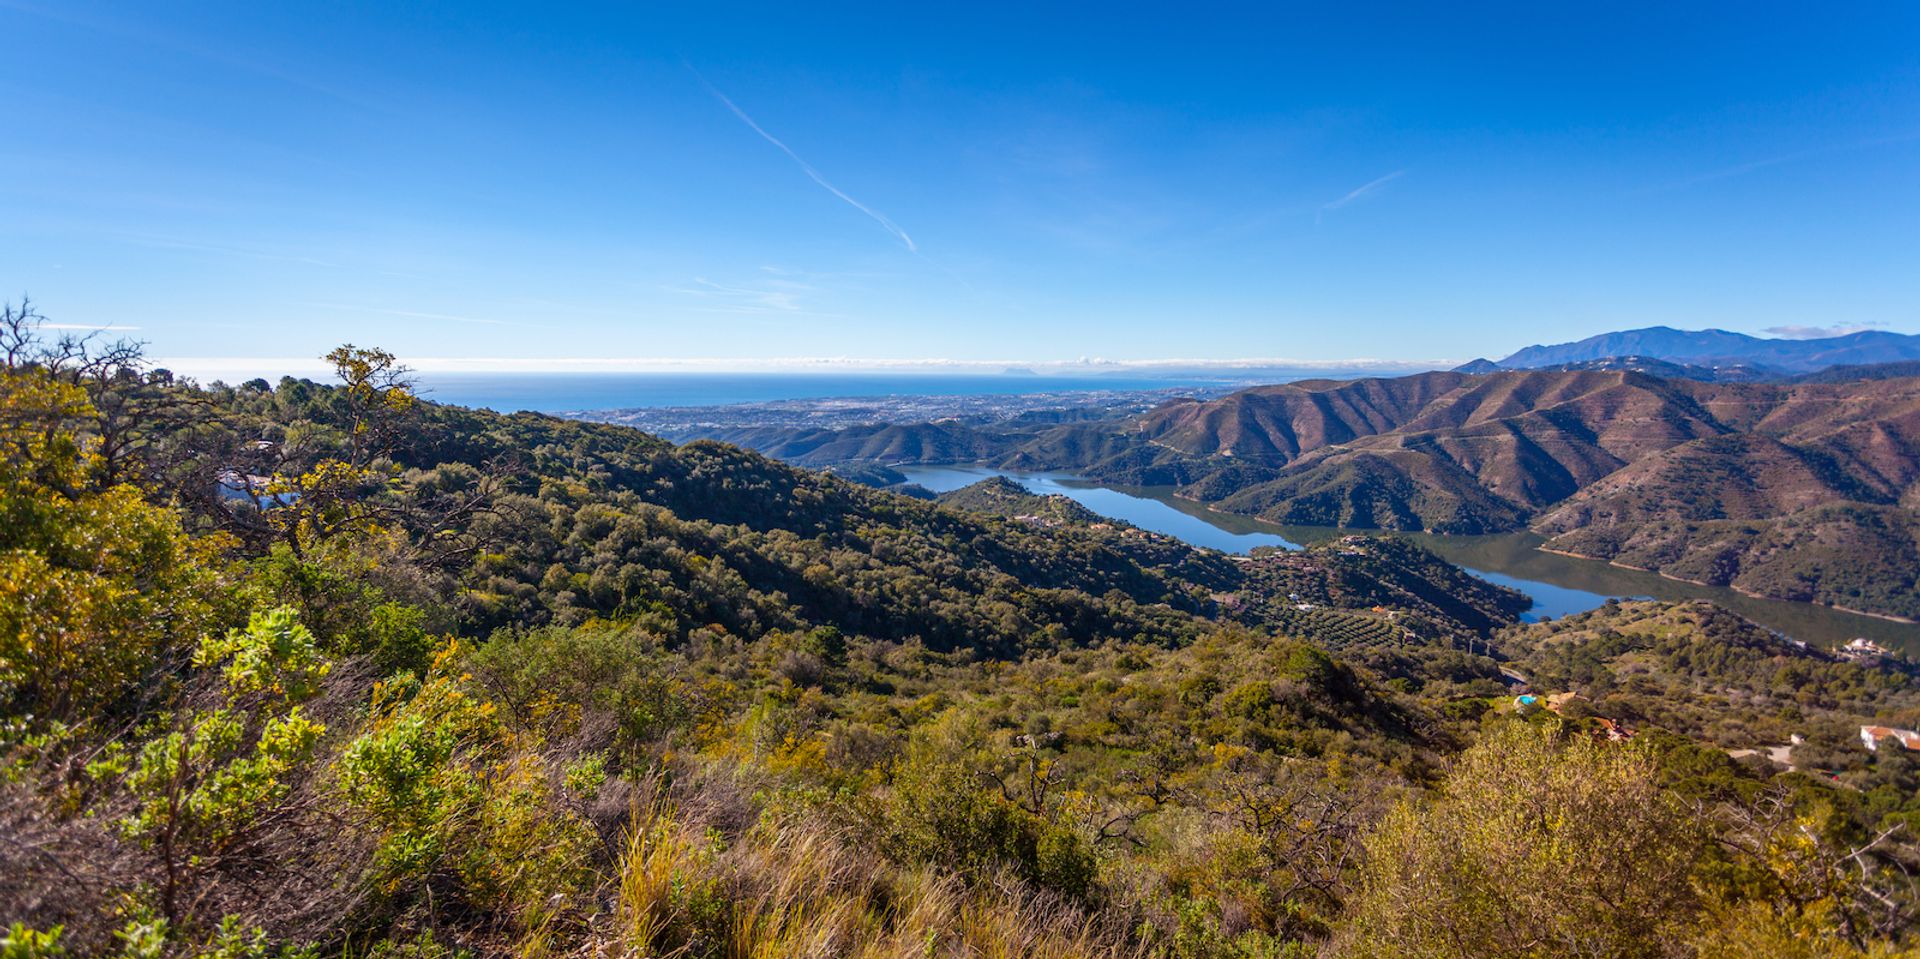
x,y
660,865
797,890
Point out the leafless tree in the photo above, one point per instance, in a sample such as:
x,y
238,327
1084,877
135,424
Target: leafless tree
x,y
1310,829
1870,880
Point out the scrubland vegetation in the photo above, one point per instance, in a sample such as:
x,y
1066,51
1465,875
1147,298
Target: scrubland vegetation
x,y
301,670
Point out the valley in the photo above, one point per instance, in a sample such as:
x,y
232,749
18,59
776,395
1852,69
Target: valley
x,y
1559,585
1803,492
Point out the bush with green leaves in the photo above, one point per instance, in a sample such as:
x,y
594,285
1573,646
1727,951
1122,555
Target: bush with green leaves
x,y
206,785
458,808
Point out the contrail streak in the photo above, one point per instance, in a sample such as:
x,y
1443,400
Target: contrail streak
x,y
1364,189
878,217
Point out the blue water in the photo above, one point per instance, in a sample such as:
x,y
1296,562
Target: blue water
x,y
1558,585
1147,513
561,392
1549,600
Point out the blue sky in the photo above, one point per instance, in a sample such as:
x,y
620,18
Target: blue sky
x,y
738,184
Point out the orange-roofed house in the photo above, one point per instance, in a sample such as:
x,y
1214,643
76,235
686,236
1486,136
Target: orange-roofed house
x,y
1872,735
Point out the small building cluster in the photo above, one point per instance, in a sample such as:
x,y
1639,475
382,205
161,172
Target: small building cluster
x,y
1046,522
1873,735
1614,730
1864,650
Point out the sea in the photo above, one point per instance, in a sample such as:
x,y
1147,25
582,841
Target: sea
x,y
575,392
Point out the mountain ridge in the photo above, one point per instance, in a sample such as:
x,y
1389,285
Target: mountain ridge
x,y
1713,347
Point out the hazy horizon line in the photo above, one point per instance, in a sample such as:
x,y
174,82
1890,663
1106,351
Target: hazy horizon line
x,y
250,367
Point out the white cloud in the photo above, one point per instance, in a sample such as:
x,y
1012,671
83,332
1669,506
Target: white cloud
x,y
775,296
1819,332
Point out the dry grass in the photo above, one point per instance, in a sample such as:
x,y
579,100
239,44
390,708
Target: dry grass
x,y
798,891
659,859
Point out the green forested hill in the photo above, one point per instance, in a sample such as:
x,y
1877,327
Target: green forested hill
x,y
999,496
301,670
583,521
1381,594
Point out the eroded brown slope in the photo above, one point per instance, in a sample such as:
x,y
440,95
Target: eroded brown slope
x,y
1802,492
1276,424
1529,440
1449,452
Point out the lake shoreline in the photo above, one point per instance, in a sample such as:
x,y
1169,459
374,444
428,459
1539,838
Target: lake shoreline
x,y
1559,582
1751,594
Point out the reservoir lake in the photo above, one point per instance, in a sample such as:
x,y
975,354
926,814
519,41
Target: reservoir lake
x,y
1558,585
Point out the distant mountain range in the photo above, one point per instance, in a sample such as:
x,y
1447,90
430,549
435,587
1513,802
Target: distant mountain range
x,y
1699,354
